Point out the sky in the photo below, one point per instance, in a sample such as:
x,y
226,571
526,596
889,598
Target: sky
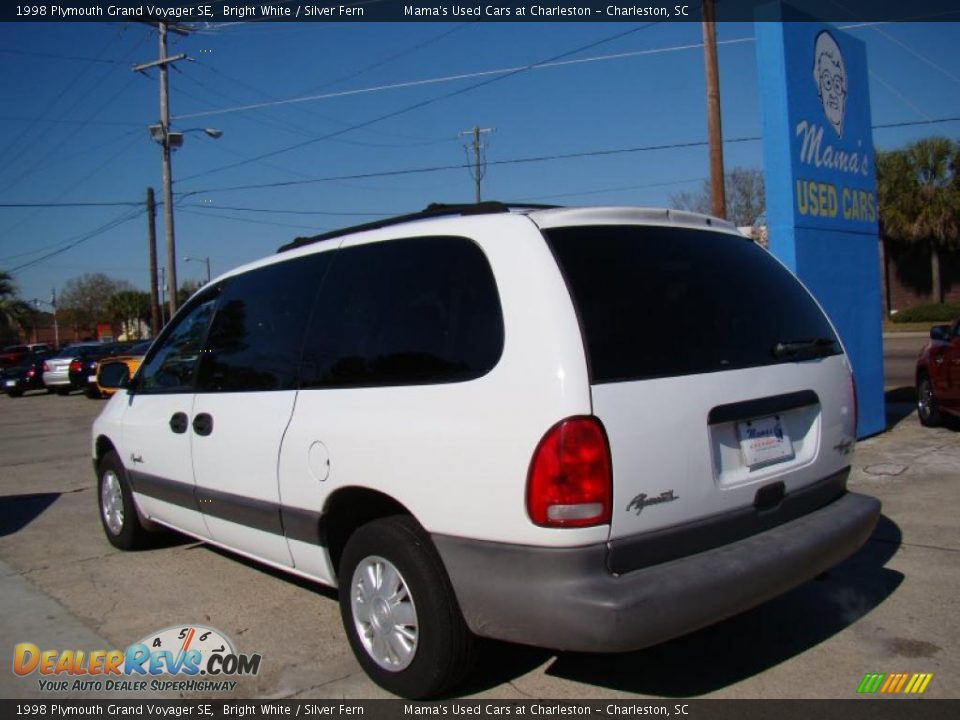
x,y
377,104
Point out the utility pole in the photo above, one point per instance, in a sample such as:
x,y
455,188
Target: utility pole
x,y
167,140
152,252
478,171
718,199
163,295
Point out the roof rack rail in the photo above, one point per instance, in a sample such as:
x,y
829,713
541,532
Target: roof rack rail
x,y
432,210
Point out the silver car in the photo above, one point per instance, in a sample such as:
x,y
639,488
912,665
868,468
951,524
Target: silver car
x,y
56,369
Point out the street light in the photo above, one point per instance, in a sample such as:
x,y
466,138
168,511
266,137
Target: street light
x,y
203,260
168,141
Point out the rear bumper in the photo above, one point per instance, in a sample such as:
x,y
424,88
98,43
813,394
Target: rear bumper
x,y
565,599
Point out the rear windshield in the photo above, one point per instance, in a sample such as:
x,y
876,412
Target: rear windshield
x,y
663,301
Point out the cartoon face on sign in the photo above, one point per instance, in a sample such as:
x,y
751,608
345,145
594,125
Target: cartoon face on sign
x,y
830,77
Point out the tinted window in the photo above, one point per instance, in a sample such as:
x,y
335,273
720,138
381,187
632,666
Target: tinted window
x,y
257,333
421,310
170,368
657,302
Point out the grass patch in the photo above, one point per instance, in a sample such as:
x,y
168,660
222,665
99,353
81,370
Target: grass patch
x,y
892,327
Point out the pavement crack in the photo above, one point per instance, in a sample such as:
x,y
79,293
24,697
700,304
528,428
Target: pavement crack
x,y
315,687
525,694
886,541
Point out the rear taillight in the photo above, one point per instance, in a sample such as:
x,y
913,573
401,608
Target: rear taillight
x,y
46,368
76,366
31,372
569,483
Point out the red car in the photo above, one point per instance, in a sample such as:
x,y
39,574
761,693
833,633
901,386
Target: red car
x,y
938,375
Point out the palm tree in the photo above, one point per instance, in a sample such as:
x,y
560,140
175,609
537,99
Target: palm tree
x,y
14,312
919,198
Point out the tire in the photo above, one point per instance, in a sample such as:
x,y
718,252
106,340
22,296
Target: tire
x,y
118,515
928,409
416,647
93,393
63,392
15,393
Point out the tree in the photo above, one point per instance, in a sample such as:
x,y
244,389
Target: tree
x,y
15,314
130,309
86,300
746,202
918,194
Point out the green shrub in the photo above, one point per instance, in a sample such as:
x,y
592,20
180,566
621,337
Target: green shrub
x,y
932,313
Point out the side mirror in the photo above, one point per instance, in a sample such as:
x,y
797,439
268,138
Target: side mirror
x,y
114,375
940,332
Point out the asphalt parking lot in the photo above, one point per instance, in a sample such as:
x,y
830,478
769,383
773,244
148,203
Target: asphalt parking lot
x,y
890,608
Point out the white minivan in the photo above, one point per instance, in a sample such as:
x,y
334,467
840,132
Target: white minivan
x,y
587,429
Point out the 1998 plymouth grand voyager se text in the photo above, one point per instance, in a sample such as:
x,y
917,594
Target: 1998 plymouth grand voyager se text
x,y
589,429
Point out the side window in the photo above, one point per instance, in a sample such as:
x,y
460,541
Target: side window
x,y
170,368
257,333
405,312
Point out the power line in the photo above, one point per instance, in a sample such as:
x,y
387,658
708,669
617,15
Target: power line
x,y
423,103
50,106
71,204
307,132
75,185
33,53
389,173
255,222
526,160
78,239
377,213
390,58
21,118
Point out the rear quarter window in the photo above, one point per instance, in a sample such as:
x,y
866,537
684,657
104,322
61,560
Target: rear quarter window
x,y
404,312
665,301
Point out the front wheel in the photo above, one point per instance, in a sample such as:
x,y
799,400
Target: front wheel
x,y
928,409
400,612
118,514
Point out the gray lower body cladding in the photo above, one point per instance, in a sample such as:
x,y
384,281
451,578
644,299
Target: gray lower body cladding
x,y
566,599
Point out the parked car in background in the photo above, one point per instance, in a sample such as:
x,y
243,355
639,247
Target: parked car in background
x,y
12,355
131,357
56,369
83,368
28,375
938,375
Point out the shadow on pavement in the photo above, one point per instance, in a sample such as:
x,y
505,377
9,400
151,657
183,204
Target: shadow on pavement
x,y
731,651
300,582
18,511
901,403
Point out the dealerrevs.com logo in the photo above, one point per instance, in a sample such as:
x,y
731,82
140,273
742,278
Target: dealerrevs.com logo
x,y
198,658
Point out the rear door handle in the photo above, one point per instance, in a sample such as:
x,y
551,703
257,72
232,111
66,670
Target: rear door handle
x,y
203,424
178,423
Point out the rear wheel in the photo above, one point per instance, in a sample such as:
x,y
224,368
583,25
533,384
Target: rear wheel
x,y
399,610
118,514
928,409
63,391
15,393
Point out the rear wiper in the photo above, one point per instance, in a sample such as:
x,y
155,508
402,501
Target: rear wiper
x,y
818,347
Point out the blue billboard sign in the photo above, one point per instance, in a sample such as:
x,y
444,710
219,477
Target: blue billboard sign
x,y
822,215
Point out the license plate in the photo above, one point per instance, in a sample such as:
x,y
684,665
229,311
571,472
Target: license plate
x,y
91,378
764,441
11,383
